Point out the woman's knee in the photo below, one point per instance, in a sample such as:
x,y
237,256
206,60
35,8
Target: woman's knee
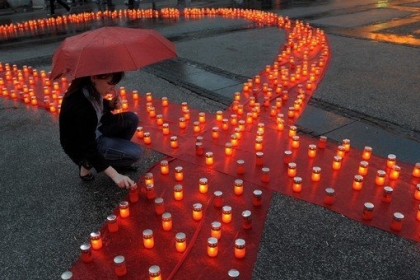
x,y
131,118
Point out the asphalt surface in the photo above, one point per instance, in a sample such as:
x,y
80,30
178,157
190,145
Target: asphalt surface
x,y
369,94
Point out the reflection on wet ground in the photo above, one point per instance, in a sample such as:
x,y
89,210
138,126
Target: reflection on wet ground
x,y
395,22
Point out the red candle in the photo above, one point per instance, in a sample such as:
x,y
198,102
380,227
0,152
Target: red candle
x,y
257,198
246,219
396,223
387,194
329,196
218,199
86,252
159,205
297,184
368,211
119,266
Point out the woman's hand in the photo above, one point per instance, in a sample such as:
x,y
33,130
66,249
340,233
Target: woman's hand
x,y
115,103
122,181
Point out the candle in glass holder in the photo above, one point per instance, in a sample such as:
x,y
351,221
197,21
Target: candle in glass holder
x,y
368,211
164,167
287,157
258,144
182,124
209,158
216,230
159,205
265,177
226,214
322,142
215,132
341,151
184,106
180,242
380,177
238,186
257,198
96,240
152,112
391,160
292,131
203,185
295,142
199,151
291,169
165,101
246,219
112,223
219,116
148,240
234,140
346,144
165,129
202,117
416,170
167,221
387,194
179,174
329,196
135,95
363,168
155,273
395,172
240,166
397,220
316,174
134,194
197,127
297,184
259,160
311,151
228,149
240,251
178,192
174,142
417,192
124,209
149,97
357,182
336,165
197,212
139,132
367,153
119,266
147,138
86,252
218,199
148,178
212,249
225,124
233,119
150,191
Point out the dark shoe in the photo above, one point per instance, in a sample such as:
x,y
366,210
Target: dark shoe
x,y
86,178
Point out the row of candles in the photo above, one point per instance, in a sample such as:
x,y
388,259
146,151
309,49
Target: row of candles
x,y
13,30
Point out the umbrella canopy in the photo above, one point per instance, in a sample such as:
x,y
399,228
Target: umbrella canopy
x,y
108,50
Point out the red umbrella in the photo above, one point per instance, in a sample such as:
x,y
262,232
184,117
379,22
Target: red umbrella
x,y
108,50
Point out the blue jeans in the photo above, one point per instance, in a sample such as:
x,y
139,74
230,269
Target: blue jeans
x,y
114,143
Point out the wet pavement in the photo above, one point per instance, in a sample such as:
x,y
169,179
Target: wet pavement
x,y
369,94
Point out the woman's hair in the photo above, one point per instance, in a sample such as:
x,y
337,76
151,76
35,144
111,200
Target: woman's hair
x,y
79,83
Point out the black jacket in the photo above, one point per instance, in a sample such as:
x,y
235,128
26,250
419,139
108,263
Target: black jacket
x,y
77,124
